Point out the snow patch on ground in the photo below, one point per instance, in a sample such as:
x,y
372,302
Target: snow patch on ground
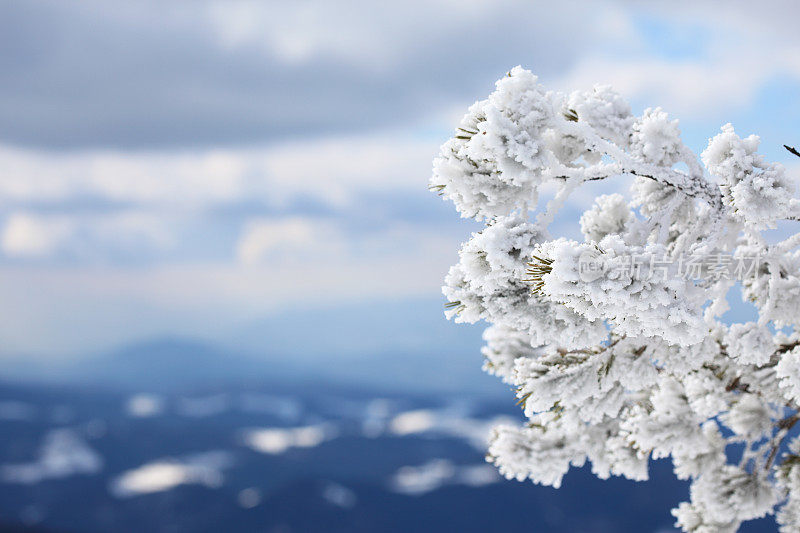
x,y
276,441
339,495
63,453
144,405
166,474
249,498
445,422
418,480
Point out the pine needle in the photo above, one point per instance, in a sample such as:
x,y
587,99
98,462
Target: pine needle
x,y
535,272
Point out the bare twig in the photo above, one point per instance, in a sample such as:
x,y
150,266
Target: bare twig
x,y
792,150
783,426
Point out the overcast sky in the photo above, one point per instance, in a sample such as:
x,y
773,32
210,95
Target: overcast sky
x,y
192,167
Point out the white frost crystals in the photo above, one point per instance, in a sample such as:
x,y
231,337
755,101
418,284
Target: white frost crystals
x,y
494,164
759,192
612,364
668,309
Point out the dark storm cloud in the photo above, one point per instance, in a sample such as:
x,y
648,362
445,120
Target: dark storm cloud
x,y
156,74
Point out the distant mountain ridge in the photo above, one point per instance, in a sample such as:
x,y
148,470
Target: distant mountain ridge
x,y
182,365
156,365
401,346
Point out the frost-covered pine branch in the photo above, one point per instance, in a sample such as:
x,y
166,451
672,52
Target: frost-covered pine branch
x,y
615,344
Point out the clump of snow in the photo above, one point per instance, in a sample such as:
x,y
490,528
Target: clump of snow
x,y
376,417
275,441
606,111
494,163
166,474
144,405
788,372
430,476
249,498
475,431
413,422
657,139
339,496
759,192
608,216
750,343
63,453
665,306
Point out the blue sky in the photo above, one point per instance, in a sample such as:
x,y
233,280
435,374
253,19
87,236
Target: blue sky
x,y
194,168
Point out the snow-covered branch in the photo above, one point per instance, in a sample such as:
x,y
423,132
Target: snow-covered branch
x,y
615,344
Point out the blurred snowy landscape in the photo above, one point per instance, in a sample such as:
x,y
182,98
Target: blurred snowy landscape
x,y
271,452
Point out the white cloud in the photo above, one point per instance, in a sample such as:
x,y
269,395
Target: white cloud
x,y
337,169
43,177
26,235
772,19
381,36
202,279
333,171
293,237
35,235
741,49
340,65
687,88
51,309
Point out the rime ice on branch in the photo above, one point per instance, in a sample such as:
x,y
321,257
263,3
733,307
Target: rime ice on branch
x,y
623,362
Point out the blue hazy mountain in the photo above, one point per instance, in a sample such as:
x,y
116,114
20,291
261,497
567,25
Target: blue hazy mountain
x,y
156,365
400,346
163,365
401,326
